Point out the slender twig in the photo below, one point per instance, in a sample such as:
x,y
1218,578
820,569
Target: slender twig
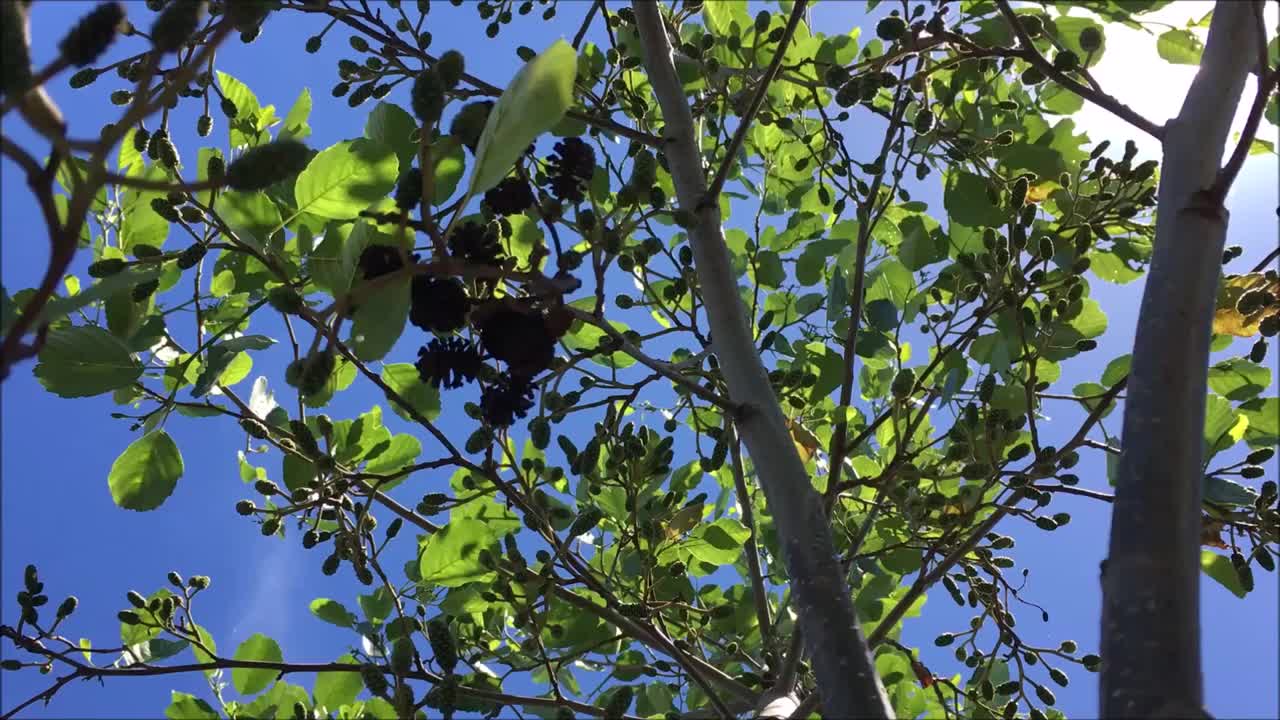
x,y
762,89
839,448
659,367
1227,176
586,23
603,123
1101,99
759,594
145,670
63,238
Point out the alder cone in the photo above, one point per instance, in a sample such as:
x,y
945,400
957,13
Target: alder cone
x,y
92,35
517,336
266,165
437,304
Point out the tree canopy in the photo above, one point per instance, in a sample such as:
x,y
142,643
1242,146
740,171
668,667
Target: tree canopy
x,y
711,324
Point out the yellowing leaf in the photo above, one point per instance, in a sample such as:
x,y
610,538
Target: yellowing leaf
x,y
1039,193
807,443
1227,320
684,520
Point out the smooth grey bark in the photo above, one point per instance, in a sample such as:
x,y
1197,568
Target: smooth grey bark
x,y
1151,599
842,661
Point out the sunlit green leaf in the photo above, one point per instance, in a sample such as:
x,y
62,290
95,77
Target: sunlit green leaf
x,y
538,96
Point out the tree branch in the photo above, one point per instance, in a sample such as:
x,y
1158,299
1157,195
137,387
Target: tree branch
x,y
841,658
1151,603
1099,98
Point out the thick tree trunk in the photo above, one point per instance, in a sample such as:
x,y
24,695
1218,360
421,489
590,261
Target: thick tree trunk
x,y
841,658
1151,602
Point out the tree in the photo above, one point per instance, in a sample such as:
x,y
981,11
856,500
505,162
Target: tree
x,y
736,261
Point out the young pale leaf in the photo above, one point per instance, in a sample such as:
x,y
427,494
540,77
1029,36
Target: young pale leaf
x,y
261,399
250,681
1180,47
84,361
146,472
295,122
539,95
183,706
1219,568
332,612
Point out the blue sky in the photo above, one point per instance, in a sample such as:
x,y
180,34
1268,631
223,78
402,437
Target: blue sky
x,y
54,453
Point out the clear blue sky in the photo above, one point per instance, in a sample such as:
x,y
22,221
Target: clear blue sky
x,y
58,513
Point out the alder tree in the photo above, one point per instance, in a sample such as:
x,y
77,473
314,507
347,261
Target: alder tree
x,y
681,400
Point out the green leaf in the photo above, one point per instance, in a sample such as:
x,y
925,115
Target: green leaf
x,y
346,178
332,612
1223,427
582,336
1227,492
295,122
451,556
449,161
276,703
1263,415
183,706
335,689
1059,100
129,158
202,171
719,543
392,126
538,96
403,378
379,321
400,452
526,235
1238,379
353,440
239,93
83,361
882,315
157,648
921,244
260,648
60,307
1219,568
377,605
146,472
298,472
967,203
227,364
328,263
1180,47
720,16
769,270
343,375
1069,28
251,215
207,641
655,699
138,635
